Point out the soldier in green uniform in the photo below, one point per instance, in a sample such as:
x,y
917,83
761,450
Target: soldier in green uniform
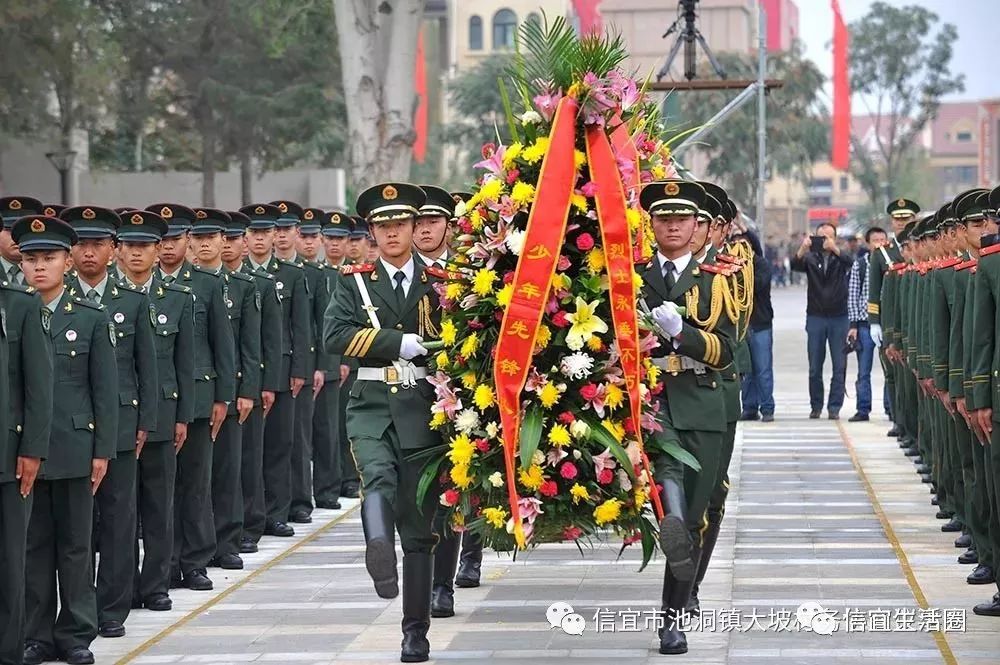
x,y
296,358
215,389
13,208
696,345
135,353
360,241
901,212
26,391
271,379
430,237
984,401
380,314
329,449
244,316
172,317
84,438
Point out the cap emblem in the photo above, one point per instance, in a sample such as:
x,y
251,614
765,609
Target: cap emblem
x,y
283,207
166,212
259,210
15,205
672,189
901,203
89,214
136,218
308,214
37,225
201,214
389,193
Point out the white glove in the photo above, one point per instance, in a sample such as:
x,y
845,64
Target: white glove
x,y
411,346
668,318
876,332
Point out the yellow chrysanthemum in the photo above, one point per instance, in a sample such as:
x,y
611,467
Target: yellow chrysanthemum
x,y
505,294
532,477
543,338
470,345
579,493
495,517
659,172
536,151
613,396
438,420
617,429
594,343
595,260
574,90
460,450
579,202
458,519
469,380
453,291
579,159
634,219
441,359
608,511
476,220
460,476
483,397
512,152
559,435
491,190
636,282
523,193
482,283
448,330
548,395
641,496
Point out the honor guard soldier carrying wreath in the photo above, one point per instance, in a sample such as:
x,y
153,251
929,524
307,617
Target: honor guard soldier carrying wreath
x,y
686,301
84,437
381,314
135,351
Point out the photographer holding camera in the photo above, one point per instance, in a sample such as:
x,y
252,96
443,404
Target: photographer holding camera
x,y
826,266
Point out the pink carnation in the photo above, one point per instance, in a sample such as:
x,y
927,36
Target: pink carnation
x,y
549,488
584,242
605,476
568,470
572,532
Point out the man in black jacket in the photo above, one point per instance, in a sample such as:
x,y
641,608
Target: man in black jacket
x,y
827,269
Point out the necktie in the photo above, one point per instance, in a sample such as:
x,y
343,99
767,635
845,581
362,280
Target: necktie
x,y
168,279
92,296
16,276
668,274
400,294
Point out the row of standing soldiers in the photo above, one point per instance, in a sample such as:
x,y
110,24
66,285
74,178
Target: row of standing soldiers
x,y
934,306
167,386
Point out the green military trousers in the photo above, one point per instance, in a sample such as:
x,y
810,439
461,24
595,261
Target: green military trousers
x,y
384,470
14,512
698,486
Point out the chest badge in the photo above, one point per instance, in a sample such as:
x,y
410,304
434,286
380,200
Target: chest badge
x,y
161,319
119,317
71,335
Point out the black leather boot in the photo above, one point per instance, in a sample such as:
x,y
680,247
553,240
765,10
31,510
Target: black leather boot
x,y
676,594
707,547
378,523
470,563
445,559
895,431
675,539
418,570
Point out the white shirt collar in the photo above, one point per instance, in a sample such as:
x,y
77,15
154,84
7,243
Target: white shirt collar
x,y
391,270
680,263
175,274
100,287
257,266
51,305
428,261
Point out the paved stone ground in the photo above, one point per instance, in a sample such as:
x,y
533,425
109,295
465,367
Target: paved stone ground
x,y
817,512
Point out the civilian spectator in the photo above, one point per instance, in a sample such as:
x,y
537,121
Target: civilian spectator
x,y
758,385
826,267
859,334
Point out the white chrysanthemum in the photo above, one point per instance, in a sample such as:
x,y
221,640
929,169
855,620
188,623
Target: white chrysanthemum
x,y
492,429
579,429
577,454
467,421
576,365
530,118
515,241
538,458
460,209
496,479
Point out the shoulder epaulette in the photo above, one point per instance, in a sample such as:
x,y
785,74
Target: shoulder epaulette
x,y
717,269
92,305
262,272
180,288
948,263
242,276
313,264
733,260
123,285
293,264
966,264
992,249
897,267
18,288
441,273
357,268
206,271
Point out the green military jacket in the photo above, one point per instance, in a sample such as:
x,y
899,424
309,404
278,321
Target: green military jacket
x,y
29,370
889,307
942,309
214,347
135,354
297,343
244,304
986,325
348,331
271,325
174,333
878,264
328,362
731,387
960,354
695,401
320,294
85,427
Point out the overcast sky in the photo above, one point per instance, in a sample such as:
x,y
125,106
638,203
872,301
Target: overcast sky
x,y
977,21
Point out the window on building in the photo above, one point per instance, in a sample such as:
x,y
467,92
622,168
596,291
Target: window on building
x,y
963,137
504,29
475,34
967,174
843,183
821,185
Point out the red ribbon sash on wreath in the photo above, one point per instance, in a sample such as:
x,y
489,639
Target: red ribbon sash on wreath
x,y
542,243
544,236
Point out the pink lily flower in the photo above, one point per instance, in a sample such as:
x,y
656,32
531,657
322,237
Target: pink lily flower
x,y
604,461
494,163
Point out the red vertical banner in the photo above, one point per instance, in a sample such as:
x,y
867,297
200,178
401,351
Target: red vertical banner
x,y
420,117
841,141
589,16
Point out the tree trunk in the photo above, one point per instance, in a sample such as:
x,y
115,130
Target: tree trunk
x,y
380,84
206,126
246,176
